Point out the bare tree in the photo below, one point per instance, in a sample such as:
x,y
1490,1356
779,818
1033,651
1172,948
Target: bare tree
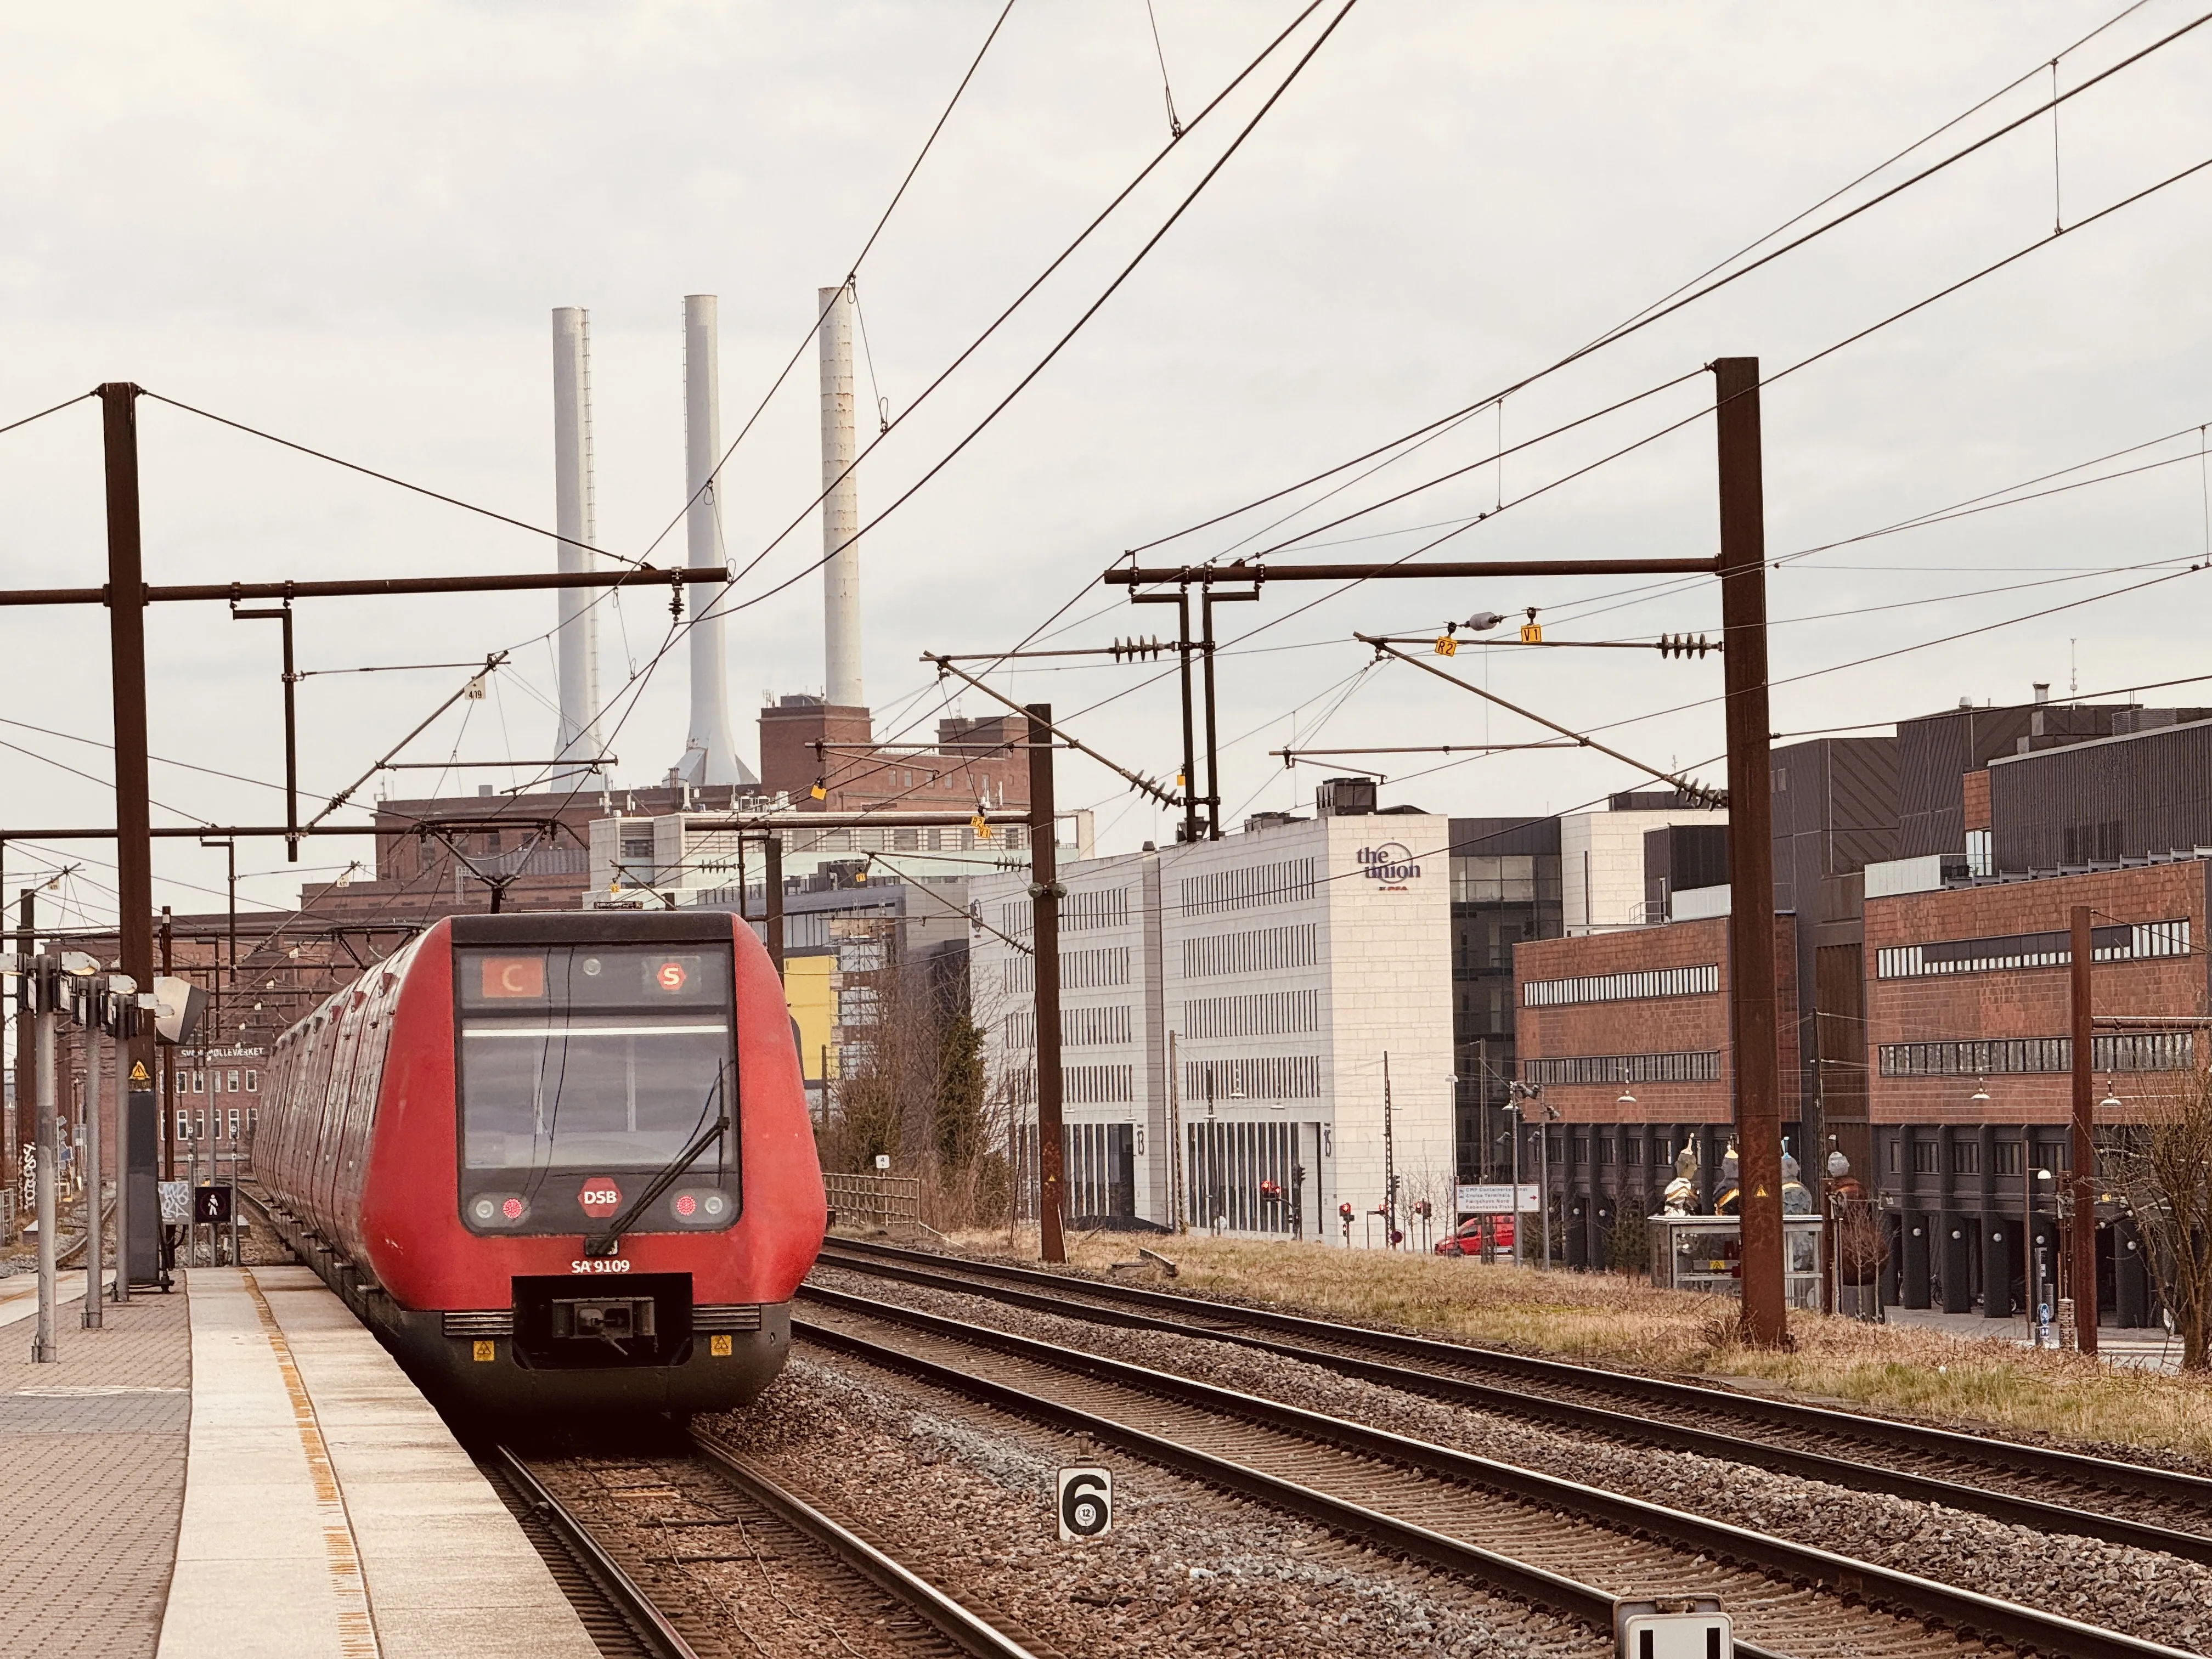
x,y
912,1085
2165,1169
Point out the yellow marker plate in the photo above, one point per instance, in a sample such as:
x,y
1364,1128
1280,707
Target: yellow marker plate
x,y
719,1346
486,1351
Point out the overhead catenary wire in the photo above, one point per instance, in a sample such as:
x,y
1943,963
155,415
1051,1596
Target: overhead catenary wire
x,y
373,472
66,403
852,276
1701,288
717,607
1226,92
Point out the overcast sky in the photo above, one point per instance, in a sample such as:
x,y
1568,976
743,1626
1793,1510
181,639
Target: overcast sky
x,y
349,226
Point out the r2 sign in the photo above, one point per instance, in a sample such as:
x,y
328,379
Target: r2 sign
x,y
1086,1503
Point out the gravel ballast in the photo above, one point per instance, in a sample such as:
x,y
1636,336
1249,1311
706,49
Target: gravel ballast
x,y
2155,1596
965,1496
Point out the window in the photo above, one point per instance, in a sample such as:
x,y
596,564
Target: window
x,y
1896,1159
1581,1149
1965,1158
1106,907
1697,1067
234,1083
253,1083
1286,883
612,1056
1264,1078
2007,1157
1981,852
1924,1157
2125,942
1256,1013
2128,1051
200,1083
233,1123
1259,952
184,1126
1631,1150
1623,988
1605,1149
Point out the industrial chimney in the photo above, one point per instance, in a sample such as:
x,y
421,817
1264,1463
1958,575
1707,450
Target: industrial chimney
x,y
577,656
709,756
841,506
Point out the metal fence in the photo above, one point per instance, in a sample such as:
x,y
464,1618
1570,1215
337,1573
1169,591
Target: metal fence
x,y
877,1201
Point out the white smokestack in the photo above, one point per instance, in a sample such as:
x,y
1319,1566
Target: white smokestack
x,y
709,756
841,507
578,653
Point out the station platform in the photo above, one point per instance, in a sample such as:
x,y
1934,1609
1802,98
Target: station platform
x,y
239,1469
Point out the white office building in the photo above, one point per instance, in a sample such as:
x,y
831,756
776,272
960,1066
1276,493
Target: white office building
x,y
1279,967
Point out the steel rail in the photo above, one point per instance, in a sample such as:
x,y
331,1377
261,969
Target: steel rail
x,y
652,1625
2014,1510
963,1629
1584,1602
2169,1486
1899,1593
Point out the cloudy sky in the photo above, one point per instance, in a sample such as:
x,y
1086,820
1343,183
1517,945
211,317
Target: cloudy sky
x,y
348,227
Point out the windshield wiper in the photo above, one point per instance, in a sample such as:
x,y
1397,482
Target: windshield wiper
x,y
605,1244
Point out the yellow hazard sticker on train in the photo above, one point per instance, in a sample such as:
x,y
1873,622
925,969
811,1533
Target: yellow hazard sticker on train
x,y
719,1346
486,1351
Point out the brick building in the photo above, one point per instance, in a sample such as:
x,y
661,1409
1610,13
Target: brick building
x,y
1924,885
1628,1035
1969,1063
805,743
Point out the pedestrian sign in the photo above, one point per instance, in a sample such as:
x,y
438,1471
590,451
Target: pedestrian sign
x,y
211,1204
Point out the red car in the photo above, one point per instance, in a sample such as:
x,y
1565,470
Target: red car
x,y
1468,1239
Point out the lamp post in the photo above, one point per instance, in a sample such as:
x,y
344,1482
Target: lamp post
x,y
2038,1317
1518,1096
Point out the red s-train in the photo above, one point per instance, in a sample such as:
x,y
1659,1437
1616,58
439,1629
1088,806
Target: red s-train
x,y
556,1160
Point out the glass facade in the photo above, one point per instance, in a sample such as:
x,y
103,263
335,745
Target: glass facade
x,y
1504,889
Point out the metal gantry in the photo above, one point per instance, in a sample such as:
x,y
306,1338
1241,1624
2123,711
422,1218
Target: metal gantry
x,y
1740,565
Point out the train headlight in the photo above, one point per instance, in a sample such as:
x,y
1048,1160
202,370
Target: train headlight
x,y
498,1209
702,1206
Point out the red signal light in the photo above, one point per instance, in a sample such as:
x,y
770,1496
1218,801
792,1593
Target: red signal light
x,y
512,1209
685,1204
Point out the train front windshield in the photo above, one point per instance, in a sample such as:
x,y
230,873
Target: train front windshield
x,y
598,1057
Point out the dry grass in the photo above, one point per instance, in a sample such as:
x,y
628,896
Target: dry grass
x,y
1607,1318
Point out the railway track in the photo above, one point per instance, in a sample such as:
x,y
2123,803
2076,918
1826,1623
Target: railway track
x,y
2048,1490
1554,1543
630,1567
